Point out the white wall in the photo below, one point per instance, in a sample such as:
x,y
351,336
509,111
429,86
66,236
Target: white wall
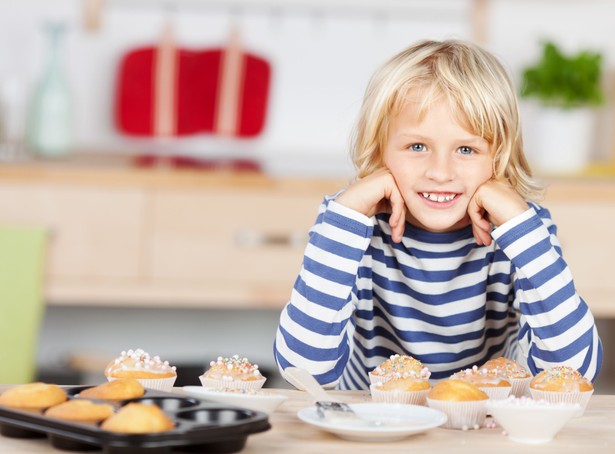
x,y
322,57
322,54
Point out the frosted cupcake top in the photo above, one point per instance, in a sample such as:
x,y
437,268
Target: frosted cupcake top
x,y
139,361
402,366
561,379
507,368
233,368
481,377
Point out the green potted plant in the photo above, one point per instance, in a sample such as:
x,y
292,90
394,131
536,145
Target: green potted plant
x,y
566,90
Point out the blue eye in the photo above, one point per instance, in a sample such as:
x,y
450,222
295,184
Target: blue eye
x,y
417,147
465,150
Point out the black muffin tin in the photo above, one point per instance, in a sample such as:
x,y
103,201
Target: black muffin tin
x,y
200,426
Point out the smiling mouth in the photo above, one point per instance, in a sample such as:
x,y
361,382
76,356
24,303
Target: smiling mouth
x,y
439,197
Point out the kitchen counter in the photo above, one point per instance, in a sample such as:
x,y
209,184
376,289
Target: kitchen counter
x,y
590,433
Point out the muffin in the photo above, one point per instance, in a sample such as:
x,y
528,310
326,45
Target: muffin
x,y
138,418
80,410
514,372
33,396
399,366
120,389
151,372
463,403
232,373
400,390
562,384
488,381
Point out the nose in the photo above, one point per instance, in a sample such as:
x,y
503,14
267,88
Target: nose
x,y
440,168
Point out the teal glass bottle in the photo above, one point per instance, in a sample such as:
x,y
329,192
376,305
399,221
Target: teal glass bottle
x,y
50,121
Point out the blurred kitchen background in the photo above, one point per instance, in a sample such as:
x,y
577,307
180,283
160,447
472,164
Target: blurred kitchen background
x,y
173,154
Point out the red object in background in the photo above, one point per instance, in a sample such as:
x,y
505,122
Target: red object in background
x,y
205,94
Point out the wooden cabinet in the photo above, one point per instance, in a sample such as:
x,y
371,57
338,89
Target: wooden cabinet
x,y
584,212
94,231
123,236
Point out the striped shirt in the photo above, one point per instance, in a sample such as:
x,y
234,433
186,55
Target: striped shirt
x,y
439,297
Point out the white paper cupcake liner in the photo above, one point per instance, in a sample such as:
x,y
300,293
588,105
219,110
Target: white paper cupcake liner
x,y
496,392
373,379
160,384
581,398
461,415
248,385
520,386
398,397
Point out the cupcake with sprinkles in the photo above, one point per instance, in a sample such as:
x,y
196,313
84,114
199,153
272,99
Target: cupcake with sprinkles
x,y
512,371
233,373
150,371
562,384
400,390
487,380
398,366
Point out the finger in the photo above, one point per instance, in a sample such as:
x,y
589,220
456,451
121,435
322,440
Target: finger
x,y
477,215
398,231
482,237
481,228
398,215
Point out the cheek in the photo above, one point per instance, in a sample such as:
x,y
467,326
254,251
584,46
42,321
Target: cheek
x,y
484,173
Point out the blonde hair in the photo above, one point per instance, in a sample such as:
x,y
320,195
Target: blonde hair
x,y
479,91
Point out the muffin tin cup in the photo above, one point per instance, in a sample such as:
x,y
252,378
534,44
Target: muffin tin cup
x,y
246,385
399,397
200,426
581,398
461,415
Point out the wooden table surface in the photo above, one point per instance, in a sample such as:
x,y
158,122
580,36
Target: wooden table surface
x,y
591,433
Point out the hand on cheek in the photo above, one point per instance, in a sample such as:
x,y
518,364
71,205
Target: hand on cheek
x,y
378,193
493,203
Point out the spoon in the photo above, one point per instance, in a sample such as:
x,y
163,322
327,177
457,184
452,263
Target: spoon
x,y
328,407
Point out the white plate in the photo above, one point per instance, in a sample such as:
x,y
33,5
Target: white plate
x,y
261,400
398,421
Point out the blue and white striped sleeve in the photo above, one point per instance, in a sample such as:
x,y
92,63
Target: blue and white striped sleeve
x,y
556,325
315,326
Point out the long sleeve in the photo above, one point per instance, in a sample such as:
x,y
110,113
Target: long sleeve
x,y
316,327
556,325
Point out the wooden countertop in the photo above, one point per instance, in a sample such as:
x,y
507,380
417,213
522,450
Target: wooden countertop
x,y
122,171
593,432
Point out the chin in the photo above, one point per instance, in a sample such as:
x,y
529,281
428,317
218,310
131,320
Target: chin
x,y
435,225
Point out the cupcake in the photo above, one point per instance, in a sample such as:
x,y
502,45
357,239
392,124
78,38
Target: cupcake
x,y
117,389
399,366
400,390
150,371
488,381
514,372
233,373
138,418
463,403
80,410
33,396
562,384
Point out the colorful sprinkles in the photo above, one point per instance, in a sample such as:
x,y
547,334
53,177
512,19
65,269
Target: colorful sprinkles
x,y
402,366
233,368
139,359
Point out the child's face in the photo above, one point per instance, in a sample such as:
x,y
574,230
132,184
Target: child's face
x,y
437,165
